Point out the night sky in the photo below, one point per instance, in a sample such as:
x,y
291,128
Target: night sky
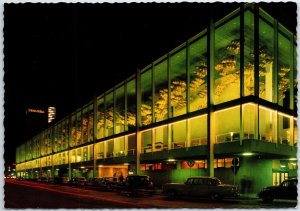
x,y
64,54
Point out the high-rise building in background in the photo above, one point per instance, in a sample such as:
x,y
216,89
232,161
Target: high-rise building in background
x,y
51,114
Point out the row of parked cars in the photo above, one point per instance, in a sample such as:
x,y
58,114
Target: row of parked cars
x,y
198,186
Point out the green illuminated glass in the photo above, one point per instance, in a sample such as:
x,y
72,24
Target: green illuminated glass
x,y
146,95
266,61
285,130
73,131
120,110
146,141
267,126
227,61
284,70
100,118
160,138
109,148
227,125
249,121
65,134
90,123
130,144
295,79
178,83
198,130
178,135
295,132
119,146
109,114
198,74
78,128
131,104
84,123
248,53
160,91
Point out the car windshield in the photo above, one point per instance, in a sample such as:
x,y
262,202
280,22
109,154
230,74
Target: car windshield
x,y
216,181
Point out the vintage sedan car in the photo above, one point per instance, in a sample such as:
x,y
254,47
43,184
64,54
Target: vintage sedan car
x,y
136,184
286,190
199,186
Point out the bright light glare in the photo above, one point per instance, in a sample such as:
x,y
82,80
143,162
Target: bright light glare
x,y
247,154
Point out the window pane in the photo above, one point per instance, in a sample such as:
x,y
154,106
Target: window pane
x,y
248,53
227,125
100,118
161,91
161,138
120,110
249,121
198,74
84,123
131,104
284,71
119,147
178,83
284,129
266,55
178,134
78,128
267,127
198,130
109,114
91,123
131,144
295,132
227,61
146,141
146,93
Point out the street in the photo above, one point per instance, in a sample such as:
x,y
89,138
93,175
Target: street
x,y
26,194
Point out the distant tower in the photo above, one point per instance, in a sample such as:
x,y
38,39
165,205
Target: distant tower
x,y
51,114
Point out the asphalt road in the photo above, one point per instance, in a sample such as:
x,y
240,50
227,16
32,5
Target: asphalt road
x,y
25,194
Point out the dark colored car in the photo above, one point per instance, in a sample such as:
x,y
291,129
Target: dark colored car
x,y
199,186
78,182
286,190
136,184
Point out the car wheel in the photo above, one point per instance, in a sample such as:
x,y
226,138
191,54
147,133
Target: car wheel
x,y
172,194
215,196
268,198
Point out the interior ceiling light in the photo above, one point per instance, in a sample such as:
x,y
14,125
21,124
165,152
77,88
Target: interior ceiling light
x,y
248,154
171,160
293,159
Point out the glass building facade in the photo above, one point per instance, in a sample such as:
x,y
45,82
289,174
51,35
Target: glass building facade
x,y
228,92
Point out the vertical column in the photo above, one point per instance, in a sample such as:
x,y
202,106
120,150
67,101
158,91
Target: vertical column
x,y
138,121
210,96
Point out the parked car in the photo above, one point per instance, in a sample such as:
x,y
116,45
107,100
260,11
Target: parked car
x,y
286,190
210,187
136,184
78,181
65,180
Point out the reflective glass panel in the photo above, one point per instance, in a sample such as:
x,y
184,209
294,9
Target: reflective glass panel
x,y
227,61
146,94
198,74
178,83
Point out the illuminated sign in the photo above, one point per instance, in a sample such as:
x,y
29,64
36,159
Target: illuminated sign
x,y
31,110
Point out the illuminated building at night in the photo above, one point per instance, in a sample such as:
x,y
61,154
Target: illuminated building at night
x,y
228,92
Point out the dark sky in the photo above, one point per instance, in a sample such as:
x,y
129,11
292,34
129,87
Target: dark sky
x,y
64,54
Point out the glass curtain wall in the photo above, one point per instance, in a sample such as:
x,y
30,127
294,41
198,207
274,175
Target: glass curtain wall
x,y
284,70
84,123
90,123
146,94
120,110
131,104
198,74
227,61
109,114
178,77
100,118
160,72
248,53
266,60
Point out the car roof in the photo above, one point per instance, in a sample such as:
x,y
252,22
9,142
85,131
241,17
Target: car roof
x,y
202,177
